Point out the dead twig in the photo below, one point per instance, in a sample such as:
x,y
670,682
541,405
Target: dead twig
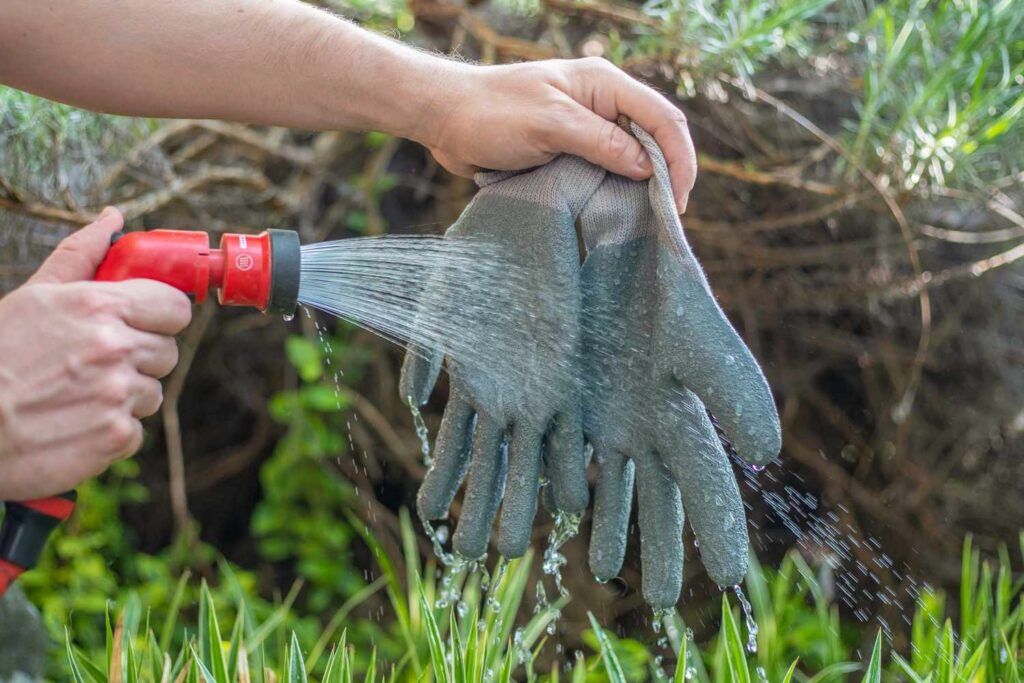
x,y
172,422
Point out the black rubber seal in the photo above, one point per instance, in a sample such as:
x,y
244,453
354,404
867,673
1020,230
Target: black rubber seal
x,y
285,262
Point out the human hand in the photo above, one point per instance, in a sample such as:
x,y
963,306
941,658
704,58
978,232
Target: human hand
x,y
80,363
518,116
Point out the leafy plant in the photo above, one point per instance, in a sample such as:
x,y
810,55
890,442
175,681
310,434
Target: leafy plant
x,y
474,639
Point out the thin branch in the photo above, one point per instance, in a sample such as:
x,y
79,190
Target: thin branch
x,y
708,164
172,422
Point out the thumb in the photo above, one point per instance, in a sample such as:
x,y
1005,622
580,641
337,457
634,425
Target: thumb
x,y
602,142
80,253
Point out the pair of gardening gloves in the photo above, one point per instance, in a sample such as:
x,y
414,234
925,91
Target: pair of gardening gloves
x,y
644,352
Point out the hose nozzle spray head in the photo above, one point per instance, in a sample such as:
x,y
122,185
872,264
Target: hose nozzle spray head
x,y
261,271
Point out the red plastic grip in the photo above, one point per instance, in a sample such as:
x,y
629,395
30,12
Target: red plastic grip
x,y
183,259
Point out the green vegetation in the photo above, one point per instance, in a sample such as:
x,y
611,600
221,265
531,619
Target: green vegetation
x,y
218,636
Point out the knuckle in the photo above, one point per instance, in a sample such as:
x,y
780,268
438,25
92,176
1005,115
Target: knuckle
x,y
596,65
613,141
93,301
676,116
170,356
182,310
116,389
153,399
108,343
122,436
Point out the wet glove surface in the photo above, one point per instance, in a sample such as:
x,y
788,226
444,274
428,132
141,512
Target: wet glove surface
x,y
657,349
508,419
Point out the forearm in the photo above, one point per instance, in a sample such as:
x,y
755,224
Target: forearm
x,y
277,62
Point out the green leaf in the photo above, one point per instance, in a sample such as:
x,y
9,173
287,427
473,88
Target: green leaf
x,y
296,663
323,398
874,672
198,670
76,673
306,356
211,647
435,643
611,662
735,652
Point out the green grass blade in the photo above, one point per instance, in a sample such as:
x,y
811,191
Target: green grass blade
x,y
612,665
270,626
211,649
792,670
199,671
76,673
436,644
735,652
371,668
874,672
683,661
172,612
339,618
296,663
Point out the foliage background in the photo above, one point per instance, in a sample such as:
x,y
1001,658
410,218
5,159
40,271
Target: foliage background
x,y
858,213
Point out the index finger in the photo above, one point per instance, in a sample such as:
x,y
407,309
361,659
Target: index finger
x,y
667,124
153,306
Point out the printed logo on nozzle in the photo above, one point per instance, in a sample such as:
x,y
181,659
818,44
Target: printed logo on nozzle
x,y
243,261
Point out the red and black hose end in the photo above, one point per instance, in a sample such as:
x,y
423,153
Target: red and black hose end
x,y
26,526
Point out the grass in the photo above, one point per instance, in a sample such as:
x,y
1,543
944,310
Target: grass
x,y
477,640
942,93
50,149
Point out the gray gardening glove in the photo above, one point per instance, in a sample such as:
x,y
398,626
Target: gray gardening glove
x,y
508,418
657,348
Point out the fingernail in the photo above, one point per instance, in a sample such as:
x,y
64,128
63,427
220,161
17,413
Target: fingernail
x,y
681,204
643,162
107,210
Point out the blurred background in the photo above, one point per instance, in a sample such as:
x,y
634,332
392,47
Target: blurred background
x,y
858,213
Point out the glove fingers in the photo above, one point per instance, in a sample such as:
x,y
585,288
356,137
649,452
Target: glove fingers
x,y
419,374
520,503
483,491
710,359
706,353
613,497
451,458
565,462
694,455
661,533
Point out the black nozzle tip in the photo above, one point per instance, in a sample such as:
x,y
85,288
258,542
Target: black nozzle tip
x,y
285,259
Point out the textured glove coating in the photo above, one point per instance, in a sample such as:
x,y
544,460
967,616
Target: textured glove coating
x,y
656,349
499,432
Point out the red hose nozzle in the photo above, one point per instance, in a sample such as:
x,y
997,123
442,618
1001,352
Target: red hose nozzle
x,y
261,271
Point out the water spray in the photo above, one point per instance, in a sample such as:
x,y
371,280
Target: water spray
x,y
259,271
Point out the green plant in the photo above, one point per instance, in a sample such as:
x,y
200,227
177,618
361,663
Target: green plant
x,y
302,515
942,95
47,147
475,640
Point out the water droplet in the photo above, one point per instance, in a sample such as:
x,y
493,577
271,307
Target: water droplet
x,y
288,317
748,616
